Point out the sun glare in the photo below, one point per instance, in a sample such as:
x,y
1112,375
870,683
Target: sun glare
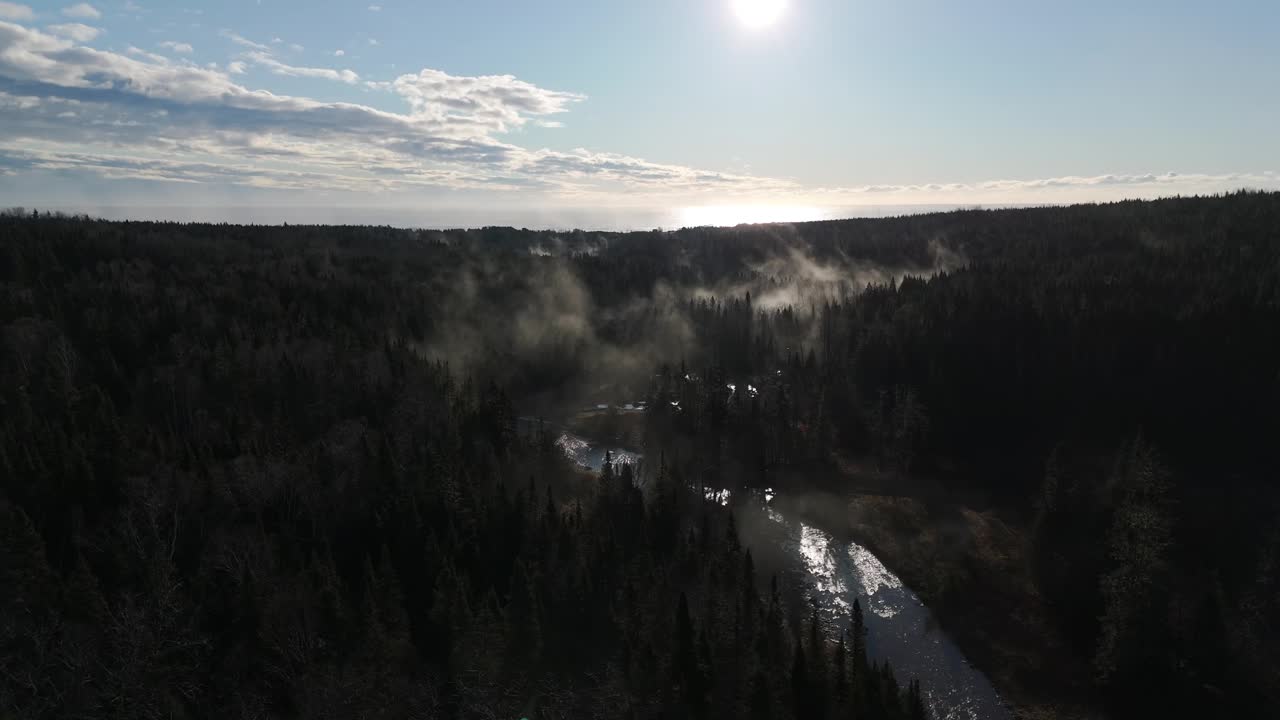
x,y
730,215
759,13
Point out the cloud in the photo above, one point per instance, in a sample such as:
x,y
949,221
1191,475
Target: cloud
x,y
139,52
375,8
339,53
30,55
244,42
245,171
279,68
82,10
236,67
14,11
374,42
164,111
1067,185
497,102
582,170
178,47
296,47
75,31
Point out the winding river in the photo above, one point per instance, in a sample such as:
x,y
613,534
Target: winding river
x,y
900,628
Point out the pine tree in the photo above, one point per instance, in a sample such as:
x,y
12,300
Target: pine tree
x,y
706,670
858,638
801,691
685,663
606,471
817,663
890,693
916,708
841,672
522,618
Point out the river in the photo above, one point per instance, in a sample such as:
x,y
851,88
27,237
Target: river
x,y
900,628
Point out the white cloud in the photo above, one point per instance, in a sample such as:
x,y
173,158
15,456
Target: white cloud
x,y
374,42
242,41
494,103
236,67
339,53
162,112
30,55
75,31
375,8
139,52
279,68
179,47
82,10
14,11
132,6
296,47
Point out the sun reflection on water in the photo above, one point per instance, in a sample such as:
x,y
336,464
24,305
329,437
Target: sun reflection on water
x,y
815,549
873,574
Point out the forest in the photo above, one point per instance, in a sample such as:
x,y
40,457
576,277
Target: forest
x,y
281,471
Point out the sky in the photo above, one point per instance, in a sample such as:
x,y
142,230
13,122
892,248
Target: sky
x,y
613,114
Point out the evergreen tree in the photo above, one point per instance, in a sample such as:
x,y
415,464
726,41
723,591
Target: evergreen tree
x,y
523,621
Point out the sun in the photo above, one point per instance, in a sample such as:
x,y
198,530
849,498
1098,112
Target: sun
x,y
759,13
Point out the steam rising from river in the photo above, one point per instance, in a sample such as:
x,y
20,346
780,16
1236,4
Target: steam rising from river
x,y
528,318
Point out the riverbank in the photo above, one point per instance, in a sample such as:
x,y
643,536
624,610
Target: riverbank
x,y
969,565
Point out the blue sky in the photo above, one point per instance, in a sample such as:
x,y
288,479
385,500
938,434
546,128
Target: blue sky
x,y
628,113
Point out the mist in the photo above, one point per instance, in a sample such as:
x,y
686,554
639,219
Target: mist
x,y
539,317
